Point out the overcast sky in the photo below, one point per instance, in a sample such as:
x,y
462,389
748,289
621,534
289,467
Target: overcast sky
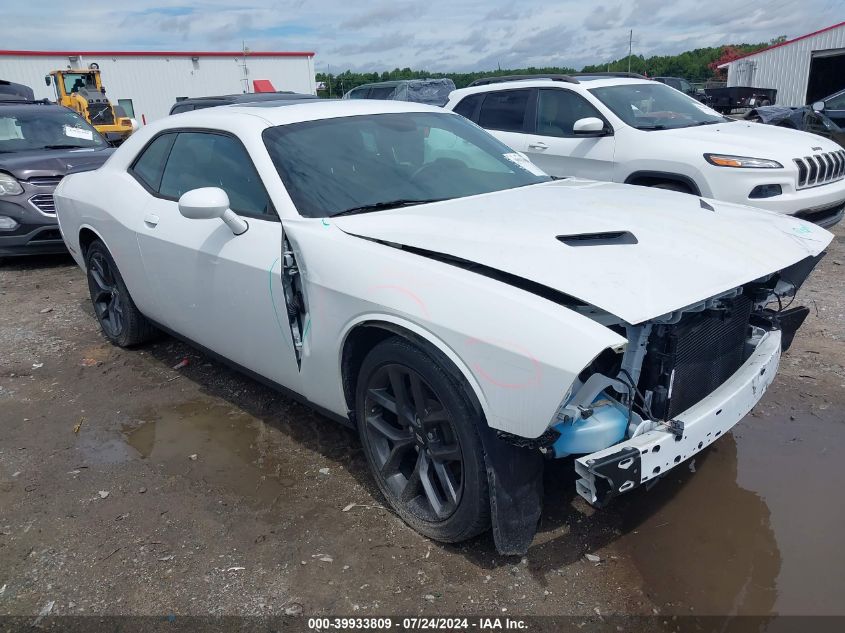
x,y
430,34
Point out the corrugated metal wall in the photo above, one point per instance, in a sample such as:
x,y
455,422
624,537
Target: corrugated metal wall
x,y
786,68
153,82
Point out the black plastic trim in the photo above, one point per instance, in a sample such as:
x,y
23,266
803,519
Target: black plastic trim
x,y
665,176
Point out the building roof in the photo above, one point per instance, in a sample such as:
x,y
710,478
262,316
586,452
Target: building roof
x,y
4,53
786,43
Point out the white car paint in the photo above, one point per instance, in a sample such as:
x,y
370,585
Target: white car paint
x,y
487,230
677,152
519,352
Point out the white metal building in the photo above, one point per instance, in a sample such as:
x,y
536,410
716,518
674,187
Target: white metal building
x,y
802,70
148,83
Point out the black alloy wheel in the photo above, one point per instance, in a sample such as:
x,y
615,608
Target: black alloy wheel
x,y
105,295
419,434
121,321
413,442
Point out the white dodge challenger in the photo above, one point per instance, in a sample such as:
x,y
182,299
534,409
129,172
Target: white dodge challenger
x,y
403,271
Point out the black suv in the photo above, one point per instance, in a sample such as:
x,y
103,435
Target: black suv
x,y
198,103
40,143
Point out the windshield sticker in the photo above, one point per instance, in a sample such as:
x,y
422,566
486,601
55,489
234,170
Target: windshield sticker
x,y
78,132
521,161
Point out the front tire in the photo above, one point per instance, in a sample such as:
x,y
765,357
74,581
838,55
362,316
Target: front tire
x,y
119,318
420,436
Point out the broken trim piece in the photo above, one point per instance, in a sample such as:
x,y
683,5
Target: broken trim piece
x,y
612,475
294,300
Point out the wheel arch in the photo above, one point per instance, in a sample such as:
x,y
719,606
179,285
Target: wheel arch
x,y
648,178
361,336
87,236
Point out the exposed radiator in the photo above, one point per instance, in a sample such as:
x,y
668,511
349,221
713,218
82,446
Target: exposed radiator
x,y
687,361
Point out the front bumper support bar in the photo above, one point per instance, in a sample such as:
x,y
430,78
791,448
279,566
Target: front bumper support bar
x,y
627,465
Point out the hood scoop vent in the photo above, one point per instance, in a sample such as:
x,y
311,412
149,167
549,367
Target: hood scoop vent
x,y
607,238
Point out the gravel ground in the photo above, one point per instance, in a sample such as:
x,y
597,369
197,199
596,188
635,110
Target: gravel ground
x,y
129,487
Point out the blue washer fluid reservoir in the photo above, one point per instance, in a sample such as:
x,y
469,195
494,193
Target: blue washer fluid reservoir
x,y
604,428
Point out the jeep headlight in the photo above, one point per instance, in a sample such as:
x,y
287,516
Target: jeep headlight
x,y
9,186
724,160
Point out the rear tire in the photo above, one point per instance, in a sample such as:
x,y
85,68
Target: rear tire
x,y
120,320
420,436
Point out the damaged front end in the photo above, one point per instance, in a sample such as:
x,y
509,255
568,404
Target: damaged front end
x,y
683,380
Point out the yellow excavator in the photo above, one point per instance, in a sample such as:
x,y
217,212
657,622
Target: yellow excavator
x,y
82,90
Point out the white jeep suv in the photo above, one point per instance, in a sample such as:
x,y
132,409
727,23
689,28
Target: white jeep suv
x,y
638,131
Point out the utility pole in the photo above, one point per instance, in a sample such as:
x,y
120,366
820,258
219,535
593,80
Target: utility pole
x,y
630,46
244,68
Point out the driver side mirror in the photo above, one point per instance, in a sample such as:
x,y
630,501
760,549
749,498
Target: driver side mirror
x,y
47,79
208,203
589,126
818,106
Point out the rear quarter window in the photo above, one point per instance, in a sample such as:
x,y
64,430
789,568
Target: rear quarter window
x,y
504,110
468,106
149,166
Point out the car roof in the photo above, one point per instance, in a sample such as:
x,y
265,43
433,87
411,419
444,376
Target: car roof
x,y
584,82
248,97
282,113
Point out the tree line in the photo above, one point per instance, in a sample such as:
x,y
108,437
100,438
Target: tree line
x,y
699,65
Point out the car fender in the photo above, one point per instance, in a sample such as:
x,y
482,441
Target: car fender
x,y
113,215
520,357
399,324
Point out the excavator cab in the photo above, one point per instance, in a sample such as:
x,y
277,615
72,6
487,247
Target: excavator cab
x,y
82,90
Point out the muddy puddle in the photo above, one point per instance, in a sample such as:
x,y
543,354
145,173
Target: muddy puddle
x,y
756,530
233,451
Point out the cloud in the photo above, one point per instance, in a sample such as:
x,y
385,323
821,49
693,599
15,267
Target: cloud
x,y
602,18
436,34
385,43
383,14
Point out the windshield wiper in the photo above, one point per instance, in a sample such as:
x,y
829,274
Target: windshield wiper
x,y
382,206
650,127
59,146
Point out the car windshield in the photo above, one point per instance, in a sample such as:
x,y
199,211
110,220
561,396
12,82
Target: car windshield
x,y
373,162
39,127
655,106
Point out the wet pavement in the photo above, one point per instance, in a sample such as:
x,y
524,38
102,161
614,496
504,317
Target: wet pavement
x,y
225,497
756,529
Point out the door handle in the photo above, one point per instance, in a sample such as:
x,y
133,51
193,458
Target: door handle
x,y
151,220
538,145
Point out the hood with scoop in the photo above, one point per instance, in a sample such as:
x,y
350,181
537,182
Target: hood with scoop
x,y
634,252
